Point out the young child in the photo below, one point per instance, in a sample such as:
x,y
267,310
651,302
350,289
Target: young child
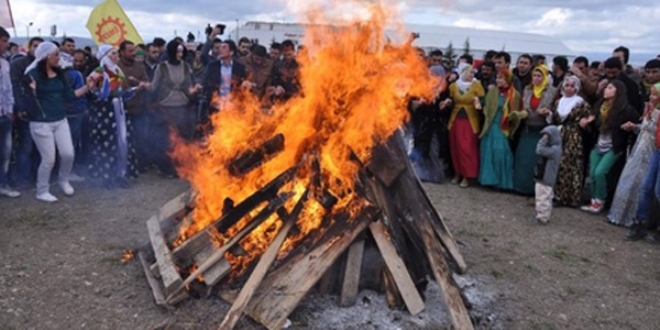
x,y
545,172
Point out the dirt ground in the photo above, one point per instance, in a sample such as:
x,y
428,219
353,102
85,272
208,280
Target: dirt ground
x,y
60,268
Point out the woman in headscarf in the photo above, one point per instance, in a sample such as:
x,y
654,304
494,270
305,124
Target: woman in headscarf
x,y
613,111
496,163
48,124
174,88
537,102
113,156
626,197
464,124
571,109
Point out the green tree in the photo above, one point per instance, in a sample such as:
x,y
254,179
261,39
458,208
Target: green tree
x,y
450,55
466,46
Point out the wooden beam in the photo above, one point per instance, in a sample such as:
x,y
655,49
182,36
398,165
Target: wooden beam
x,y
155,285
282,290
167,268
386,165
350,286
397,267
217,272
458,313
253,282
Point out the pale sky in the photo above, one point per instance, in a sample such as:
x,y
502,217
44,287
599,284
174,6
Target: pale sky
x,y
589,26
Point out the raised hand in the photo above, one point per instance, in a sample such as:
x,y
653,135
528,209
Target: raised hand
x,y
33,84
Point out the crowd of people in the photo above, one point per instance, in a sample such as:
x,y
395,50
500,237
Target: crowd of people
x,y
548,132
106,117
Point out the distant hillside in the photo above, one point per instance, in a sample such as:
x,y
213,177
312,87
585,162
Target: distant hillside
x,y
80,41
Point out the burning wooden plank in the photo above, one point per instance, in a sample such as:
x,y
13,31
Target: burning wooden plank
x,y
167,268
281,291
250,160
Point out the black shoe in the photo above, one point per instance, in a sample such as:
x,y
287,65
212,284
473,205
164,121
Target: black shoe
x,y
636,232
655,239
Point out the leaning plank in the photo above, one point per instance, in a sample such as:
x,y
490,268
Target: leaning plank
x,y
281,291
167,268
257,275
153,282
397,267
349,288
458,313
386,165
411,189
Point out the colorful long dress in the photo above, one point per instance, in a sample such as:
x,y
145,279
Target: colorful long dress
x,y
570,179
496,161
113,155
626,197
464,127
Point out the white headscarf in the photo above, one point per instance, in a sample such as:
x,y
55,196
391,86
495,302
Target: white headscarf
x,y
66,60
463,70
104,58
44,49
566,104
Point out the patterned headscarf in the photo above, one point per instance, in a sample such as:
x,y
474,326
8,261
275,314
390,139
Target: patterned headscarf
x,y
538,90
509,97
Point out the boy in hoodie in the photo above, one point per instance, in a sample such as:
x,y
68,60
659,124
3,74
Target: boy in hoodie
x,y
545,172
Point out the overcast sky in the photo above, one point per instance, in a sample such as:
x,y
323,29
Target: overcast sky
x,y
588,26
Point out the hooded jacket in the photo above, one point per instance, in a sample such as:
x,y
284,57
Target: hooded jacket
x,y
549,151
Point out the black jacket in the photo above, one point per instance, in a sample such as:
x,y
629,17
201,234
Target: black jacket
x,y
634,96
17,73
620,138
213,77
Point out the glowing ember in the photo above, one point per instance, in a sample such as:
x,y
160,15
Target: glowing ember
x,y
355,89
127,256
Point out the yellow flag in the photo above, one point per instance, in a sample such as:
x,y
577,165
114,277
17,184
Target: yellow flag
x,y
108,24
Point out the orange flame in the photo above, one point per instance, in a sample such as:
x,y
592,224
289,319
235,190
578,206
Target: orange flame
x,y
355,87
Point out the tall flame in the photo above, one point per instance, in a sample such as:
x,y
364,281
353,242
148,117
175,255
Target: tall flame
x,y
355,87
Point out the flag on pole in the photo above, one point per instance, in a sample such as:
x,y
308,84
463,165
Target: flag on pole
x,y
6,19
108,24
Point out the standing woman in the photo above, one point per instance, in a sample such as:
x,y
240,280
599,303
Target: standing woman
x,y
612,143
48,124
113,156
537,101
496,163
174,88
571,109
626,197
464,125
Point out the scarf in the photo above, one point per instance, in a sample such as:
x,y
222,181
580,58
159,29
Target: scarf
x,y
567,103
44,50
605,111
509,94
538,90
106,62
464,70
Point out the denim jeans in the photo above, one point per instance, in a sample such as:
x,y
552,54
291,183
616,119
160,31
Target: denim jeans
x,y
22,169
5,149
76,123
650,188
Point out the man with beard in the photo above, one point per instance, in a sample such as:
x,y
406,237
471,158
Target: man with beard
x,y
259,68
275,51
284,79
580,69
523,70
614,70
487,74
151,60
80,63
651,77
23,152
135,108
244,47
503,62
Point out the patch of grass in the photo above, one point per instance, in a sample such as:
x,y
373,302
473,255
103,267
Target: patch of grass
x,y
562,253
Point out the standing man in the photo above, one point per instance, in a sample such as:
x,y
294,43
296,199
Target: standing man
x,y
503,62
275,51
225,76
284,79
6,118
80,63
559,68
68,46
211,49
523,70
623,53
259,68
244,46
24,149
151,60
136,74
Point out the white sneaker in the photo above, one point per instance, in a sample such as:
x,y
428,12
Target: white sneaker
x,y
47,197
67,189
8,192
76,178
